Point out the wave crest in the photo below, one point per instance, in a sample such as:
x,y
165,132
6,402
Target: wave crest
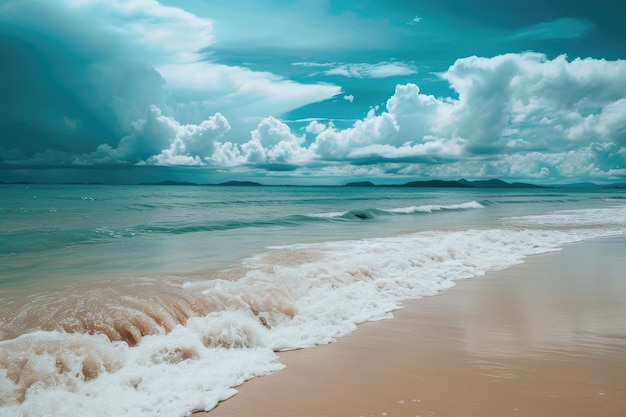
x,y
378,212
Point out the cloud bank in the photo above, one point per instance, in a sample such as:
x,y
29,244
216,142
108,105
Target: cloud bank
x,y
515,116
95,83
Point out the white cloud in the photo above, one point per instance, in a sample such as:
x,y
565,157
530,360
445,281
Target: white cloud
x,y
419,115
428,151
379,70
530,166
549,102
272,142
204,87
168,32
335,144
315,127
508,107
193,144
513,116
415,20
149,135
314,64
609,123
161,140
177,43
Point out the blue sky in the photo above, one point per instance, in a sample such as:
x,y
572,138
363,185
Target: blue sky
x,y
312,92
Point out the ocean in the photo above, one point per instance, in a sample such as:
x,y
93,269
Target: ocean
x,y
148,300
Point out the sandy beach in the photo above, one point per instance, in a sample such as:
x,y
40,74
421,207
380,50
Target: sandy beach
x,y
544,338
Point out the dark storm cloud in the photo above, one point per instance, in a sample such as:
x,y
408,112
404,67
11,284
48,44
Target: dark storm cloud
x,y
68,87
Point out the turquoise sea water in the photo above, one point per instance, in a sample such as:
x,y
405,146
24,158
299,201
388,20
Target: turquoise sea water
x,y
107,290
50,232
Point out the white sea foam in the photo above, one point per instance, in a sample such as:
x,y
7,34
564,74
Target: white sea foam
x,y
289,297
435,207
608,218
406,210
329,215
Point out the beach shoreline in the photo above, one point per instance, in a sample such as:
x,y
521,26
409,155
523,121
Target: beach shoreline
x,y
543,338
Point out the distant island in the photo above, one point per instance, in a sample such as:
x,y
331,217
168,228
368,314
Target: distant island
x,y
462,183
239,184
492,183
17,182
168,183
224,184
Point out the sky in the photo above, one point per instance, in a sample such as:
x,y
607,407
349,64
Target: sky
x,y
312,91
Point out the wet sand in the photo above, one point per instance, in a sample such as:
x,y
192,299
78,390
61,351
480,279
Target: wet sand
x,y
545,338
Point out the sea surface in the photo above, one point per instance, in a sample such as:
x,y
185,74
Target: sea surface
x,y
159,300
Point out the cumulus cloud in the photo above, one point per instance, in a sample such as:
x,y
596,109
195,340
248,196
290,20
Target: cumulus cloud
x,y
192,144
608,123
526,98
161,140
272,144
338,144
349,98
508,108
315,127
